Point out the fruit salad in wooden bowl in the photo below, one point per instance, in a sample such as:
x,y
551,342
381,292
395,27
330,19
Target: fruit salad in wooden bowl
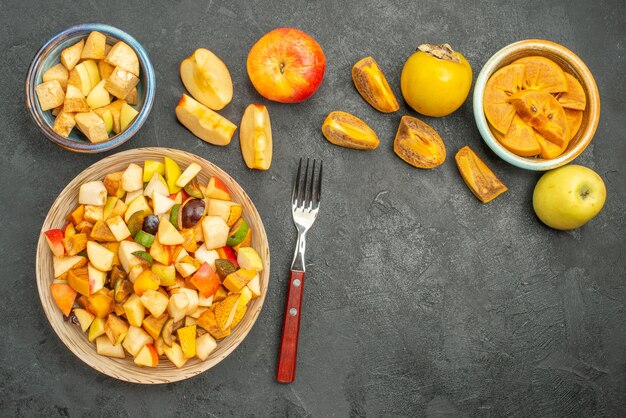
x,y
152,265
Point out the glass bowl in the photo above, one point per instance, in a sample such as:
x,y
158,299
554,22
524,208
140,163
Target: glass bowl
x,y
49,55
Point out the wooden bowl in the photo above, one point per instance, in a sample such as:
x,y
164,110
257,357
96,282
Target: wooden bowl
x,y
76,340
570,63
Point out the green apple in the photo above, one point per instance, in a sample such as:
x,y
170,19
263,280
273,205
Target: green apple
x,y
569,197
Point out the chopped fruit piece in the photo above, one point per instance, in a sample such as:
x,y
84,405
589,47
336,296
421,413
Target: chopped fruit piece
x,y
127,115
574,98
520,139
205,344
135,311
206,280
346,130
228,211
190,172
122,55
208,321
150,168
79,77
255,286
63,124
255,137
549,149
161,253
85,318
246,295
187,339
206,77
100,305
228,254
125,254
77,215
143,255
190,212
154,301
56,72
224,268
132,179
74,100
166,273
574,120
372,85
203,122
92,193
418,144
104,347
247,241
175,355
135,339
237,280
145,239
237,233
78,279
147,356
120,83
544,113
162,204
221,293
92,126
190,244
153,325
185,269
225,311
97,329
54,238
92,71
145,281
97,278
177,307
542,74
93,213
102,232
113,184
133,97
70,231
239,312
500,87
135,221
113,207
193,189
50,94
123,289
116,329
100,257
156,185
118,228
63,296
94,46
71,55
216,189
172,173
478,177
248,258
206,256
215,232
115,109
167,234
63,265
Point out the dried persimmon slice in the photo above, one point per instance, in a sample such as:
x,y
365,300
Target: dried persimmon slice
x,y
544,113
574,120
418,144
499,88
542,74
520,139
549,149
485,185
574,98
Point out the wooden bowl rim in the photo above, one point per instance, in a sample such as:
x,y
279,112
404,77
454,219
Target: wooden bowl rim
x,y
125,369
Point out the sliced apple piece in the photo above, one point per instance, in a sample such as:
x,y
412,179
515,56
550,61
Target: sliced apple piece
x,y
71,55
175,355
64,264
100,256
135,311
115,109
147,356
255,286
118,228
177,306
92,126
96,279
248,258
92,193
85,318
63,296
138,204
116,329
216,189
190,172
228,211
104,347
92,69
105,69
215,232
172,173
125,254
122,55
205,255
79,77
120,83
156,184
75,101
50,94
135,339
54,238
97,329
56,72
155,302
127,115
162,204
151,167
99,97
63,124
255,137
167,234
207,78
203,122
107,117
94,46
205,344
132,179
225,311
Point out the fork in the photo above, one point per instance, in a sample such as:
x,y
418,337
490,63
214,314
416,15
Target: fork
x,y
305,203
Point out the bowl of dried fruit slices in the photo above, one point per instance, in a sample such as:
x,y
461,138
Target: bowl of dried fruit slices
x,y
536,104
152,265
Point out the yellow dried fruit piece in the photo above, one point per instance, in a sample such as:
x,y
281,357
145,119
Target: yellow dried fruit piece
x,y
346,130
542,74
485,185
372,85
574,98
499,88
418,144
542,112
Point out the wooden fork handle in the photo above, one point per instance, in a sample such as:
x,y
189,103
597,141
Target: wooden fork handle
x,y
287,356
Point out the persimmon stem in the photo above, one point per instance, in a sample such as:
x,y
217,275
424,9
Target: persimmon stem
x,y
443,52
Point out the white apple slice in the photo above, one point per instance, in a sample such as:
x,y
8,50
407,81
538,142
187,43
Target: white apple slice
x,y
255,286
92,70
130,196
162,204
190,172
156,184
135,340
167,234
132,179
177,306
96,278
175,355
185,269
204,302
62,265
207,78
79,77
118,228
125,254
92,193
155,302
192,298
100,256
104,347
205,344
221,208
203,122
181,254
216,189
127,115
85,318
122,55
99,97
206,256
215,232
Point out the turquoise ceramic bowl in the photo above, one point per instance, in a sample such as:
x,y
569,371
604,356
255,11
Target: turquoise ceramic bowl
x,y
570,63
49,55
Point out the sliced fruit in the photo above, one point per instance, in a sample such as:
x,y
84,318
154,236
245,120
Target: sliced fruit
x,y
229,254
125,254
224,267
150,168
255,137
115,109
56,72
162,204
418,144
237,232
574,98
542,74
167,234
520,139
237,280
549,149
574,120
175,355
101,232
147,280
74,100
92,70
99,97
127,115
94,46
100,305
172,173
99,256
92,126
135,311
249,259
50,95
215,232
122,55
346,130
190,212
155,302
247,241
143,255
105,69
113,184
96,278
107,117
54,238
203,122
225,311
372,85
205,255
208,321
205,344
135,221
85,318
79,77
104,347
92,193
78,279
63,296
206,280
113,207
157,184
228,211
135,339
255,286
116,329
500,87
64,123
122,290
71,55
147,356
161,253
544,113
207,78
117,227
93,213
187,340
153,325
120,83
177,306
189,174
479,178
216,189
64,264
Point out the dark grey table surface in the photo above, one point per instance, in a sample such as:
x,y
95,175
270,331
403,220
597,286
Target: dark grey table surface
x,y
420,300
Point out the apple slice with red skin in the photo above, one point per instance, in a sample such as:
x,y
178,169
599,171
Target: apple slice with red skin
x,y
147,356
216,189
206,280
228,253
207,78
54,238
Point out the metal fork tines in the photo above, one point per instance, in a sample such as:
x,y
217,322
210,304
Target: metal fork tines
x,y
305,203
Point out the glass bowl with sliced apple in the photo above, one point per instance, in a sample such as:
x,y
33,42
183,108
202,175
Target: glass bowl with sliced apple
x,y
90,88
152,265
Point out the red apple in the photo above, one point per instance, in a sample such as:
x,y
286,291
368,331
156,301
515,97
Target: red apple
x,y
286,65
54,237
